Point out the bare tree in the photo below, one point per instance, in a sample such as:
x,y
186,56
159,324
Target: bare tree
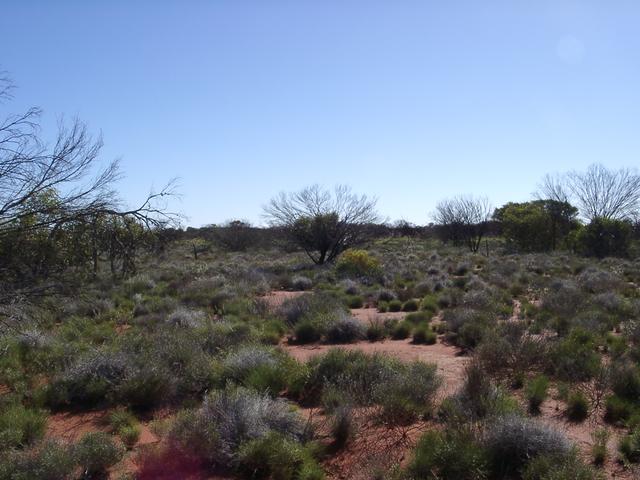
x,y
463,219
598,192
322,222
603,193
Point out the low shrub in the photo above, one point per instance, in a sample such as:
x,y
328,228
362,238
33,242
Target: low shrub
x,y
618,410
278,457
20,427
448,455
383,307
95,453
385,295
231,417
355,301
536,392
342,428
558,467
395,305
629,447
376,332
599,450
129,434
577,406
45,461
301,283
430,304
423,334
410,305
402,330
345,329
418,317
512,441
307,331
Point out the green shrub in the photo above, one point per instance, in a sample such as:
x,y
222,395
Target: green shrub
x,y
120,418
536,392
342,427
430,304
383,307
418,317
395,305
448,455
599,449
355,301
577,406
277,457
96,452
129,434
629,447
574,358
345,329
402,330
45,461
20,427
558,467
358,263
424,335
307,331
410,305
376,332
617,410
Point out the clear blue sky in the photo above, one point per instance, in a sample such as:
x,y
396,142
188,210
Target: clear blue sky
x,y
410,101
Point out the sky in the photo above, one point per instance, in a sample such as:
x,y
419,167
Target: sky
x,y
407,101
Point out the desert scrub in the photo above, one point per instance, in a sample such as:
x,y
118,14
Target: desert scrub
x,y
358,263
95,453
20,427
599,451
345,329
395,306
423,334
355,301
232,417
629,447
278,457
410,305
448,455
186,318
48,460
536,392
512,441
577,406
402,330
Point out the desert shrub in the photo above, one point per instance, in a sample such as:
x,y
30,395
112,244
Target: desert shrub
x,y
574,358
129,435
402,330
239,363
478,398
418,317
275,456
20,427
410,305
429,304
45,461
95,453
629,447
385,295
355,301
423,334
186,318
358,263
342,428
467,327
376,331
383,307
307,331
558,467
626,382
577,406
617,409
449,455
301,283
120,418
512,441
294,310
599,448
605,237
350,287
395,305
139,283
536,392
407,393
345,329
563,299
231,417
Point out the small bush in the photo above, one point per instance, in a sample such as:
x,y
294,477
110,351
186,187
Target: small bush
x,y
617,410
275,456
301,283
424,335
536,392
385,295
307,331
355,301
448,456
376,332
402,330
342,428
577,406
358,263
395,305
383,307
129,434
512,441
96,452
418,317
599,449
46,461
558,467
410,305
429,304
629,447
345,329
20,427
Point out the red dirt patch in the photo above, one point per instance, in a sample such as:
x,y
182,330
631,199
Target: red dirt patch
x,y
70,426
